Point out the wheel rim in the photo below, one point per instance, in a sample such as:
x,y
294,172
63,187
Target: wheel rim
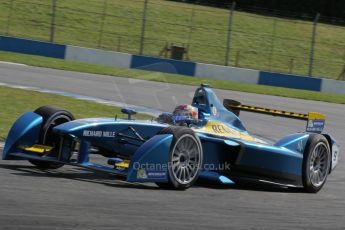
x,y
318,165
47,137
186,159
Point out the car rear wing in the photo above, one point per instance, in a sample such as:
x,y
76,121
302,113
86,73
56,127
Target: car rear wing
x,y
315,120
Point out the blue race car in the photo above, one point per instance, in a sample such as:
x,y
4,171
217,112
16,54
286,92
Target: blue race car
x,y
205,140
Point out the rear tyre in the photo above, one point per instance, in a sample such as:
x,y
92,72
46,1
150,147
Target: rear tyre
x,y
52,116
316,163
185,158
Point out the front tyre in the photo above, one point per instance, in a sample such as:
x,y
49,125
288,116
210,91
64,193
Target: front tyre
x,y
185,158
316,163
52,116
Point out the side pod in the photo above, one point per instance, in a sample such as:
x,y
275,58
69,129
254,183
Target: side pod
x,y
24,132
294,142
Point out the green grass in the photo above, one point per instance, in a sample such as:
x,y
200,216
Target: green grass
x,y
14,102
259,42
161,77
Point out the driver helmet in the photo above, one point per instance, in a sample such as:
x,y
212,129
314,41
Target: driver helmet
x,y
185,112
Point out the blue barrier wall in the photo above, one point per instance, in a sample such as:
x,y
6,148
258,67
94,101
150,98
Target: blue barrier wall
x,y
209,71
289,81
163,65
32,47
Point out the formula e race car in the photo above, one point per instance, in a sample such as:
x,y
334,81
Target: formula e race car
x,y
205,140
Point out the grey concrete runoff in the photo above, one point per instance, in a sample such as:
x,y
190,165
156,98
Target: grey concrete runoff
x,y
72,198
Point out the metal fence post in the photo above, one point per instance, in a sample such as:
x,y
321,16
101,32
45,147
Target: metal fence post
x,y
9,18
52,27
312,48
291,65
119,43
228,41
273,41
143,28
102,23
237,61
191,28
342,74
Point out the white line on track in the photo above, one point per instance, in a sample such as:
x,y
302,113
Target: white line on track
x,y
12,63
141,109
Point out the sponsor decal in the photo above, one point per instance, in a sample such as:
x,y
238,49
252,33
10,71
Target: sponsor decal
x,y
310,124
214,111
315,126
156,175
218,128
335,155
142,173
221,129
98,133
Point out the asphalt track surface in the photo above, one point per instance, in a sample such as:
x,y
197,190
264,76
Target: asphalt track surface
x,y
72,198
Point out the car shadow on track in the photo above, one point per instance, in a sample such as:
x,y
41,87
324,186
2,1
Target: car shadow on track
x,y
259,187
79,174
85,175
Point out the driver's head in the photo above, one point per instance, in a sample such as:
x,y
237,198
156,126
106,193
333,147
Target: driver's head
x,y
186,111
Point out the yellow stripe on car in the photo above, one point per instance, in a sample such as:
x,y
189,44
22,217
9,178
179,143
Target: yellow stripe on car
x,y
122,164
38,149
273,112
220,129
